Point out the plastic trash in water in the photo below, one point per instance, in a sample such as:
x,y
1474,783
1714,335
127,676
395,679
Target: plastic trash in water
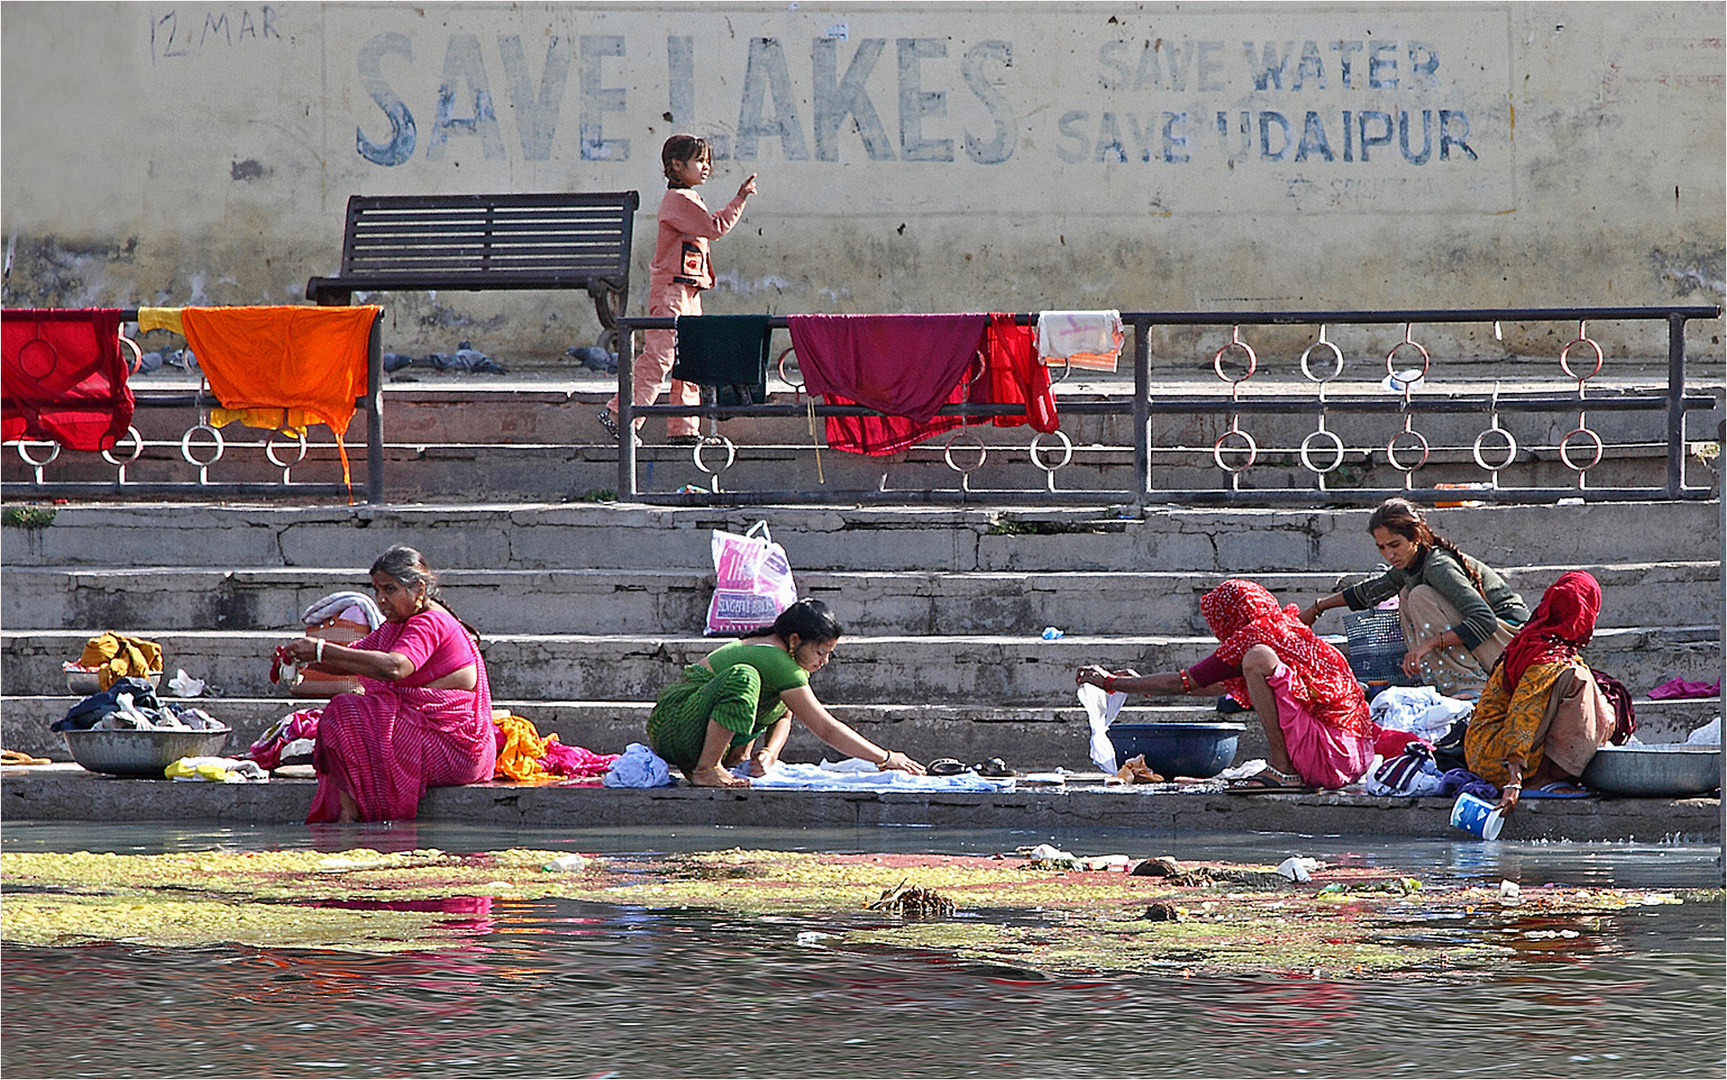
x,y
1053,633
567,864
1298,868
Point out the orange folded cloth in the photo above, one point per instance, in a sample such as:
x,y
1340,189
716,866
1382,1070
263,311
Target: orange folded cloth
x,y
284,366
115,656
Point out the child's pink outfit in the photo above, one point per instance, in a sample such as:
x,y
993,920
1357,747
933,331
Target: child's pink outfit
x,y
677,275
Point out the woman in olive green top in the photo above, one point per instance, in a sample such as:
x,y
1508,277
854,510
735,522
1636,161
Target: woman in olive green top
x,y
709,720
1457,612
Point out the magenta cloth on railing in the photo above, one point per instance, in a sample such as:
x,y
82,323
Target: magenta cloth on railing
x,y
901,365
1686,688
63,377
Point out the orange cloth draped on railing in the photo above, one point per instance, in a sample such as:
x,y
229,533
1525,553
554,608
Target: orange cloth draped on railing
x,y
63,377
284,366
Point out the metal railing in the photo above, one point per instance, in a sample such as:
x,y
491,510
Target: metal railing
x,y
1320,454
202,446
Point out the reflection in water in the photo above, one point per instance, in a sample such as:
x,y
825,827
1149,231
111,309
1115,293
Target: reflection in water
x,y
570,988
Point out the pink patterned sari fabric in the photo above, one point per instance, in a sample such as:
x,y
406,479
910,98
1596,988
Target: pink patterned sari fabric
x,y
387,746
1243,614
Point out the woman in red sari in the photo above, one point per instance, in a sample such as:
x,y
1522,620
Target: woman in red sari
x,y
1317,727
425,719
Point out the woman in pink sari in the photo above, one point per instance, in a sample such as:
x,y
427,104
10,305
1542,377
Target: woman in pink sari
x,y
425,719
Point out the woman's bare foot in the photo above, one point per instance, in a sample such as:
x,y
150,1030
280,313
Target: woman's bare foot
x,y
715,776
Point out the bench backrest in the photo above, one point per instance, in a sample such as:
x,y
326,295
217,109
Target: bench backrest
x,y
553,240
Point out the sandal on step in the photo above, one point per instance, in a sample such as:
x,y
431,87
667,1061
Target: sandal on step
x,y
1268,781
945,767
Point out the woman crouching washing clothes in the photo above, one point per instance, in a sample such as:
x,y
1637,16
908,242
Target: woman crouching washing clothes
x,y
1542,716
425,719
709,721
1306,697
1457,612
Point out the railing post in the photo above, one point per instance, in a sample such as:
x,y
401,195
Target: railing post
x,y
375,412
626,411
1675,404
1141,415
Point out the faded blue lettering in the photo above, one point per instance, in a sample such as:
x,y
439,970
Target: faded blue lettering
x,y
1313,140
681,79
1426,137
1420,64
1382,139
1311,67
1148,74
1068,127
1269,68
1109,140
598,100
1343,49
400,147
1376,65
463,64
837,97
536,113
1447,140
1001,114
1266,121
917,104
1210,63
1112,73
1180,63
1175,148
766,71
1142,132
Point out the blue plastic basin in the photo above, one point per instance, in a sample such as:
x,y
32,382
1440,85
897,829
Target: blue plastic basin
x,y
1171,750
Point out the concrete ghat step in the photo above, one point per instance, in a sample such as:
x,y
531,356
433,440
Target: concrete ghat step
x,y
1055,735
1219,541
65,793
935,669
147,599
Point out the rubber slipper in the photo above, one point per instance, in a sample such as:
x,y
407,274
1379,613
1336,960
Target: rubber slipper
x,y
994,767
1268,782
945,767
1558,789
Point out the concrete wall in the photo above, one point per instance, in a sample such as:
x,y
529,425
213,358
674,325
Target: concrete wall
x,y
911,158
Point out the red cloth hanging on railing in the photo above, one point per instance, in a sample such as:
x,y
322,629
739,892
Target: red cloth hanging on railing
x,y
63,377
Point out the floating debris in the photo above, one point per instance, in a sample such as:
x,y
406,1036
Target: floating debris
x,y
913,902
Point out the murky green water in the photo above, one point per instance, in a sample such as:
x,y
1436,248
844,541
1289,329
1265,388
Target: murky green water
x,y
560,988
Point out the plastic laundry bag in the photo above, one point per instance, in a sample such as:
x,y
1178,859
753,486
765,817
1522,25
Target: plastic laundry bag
x,y
752,582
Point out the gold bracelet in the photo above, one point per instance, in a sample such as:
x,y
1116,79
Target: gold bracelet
x,y
882,764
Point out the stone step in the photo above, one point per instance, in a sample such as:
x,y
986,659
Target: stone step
x,y
145,600
1208,541
954,670
1023,735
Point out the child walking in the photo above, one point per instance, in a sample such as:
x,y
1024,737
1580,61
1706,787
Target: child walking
x,y
679,272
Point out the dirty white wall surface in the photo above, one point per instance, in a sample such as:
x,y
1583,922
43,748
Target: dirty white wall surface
x,y
911,157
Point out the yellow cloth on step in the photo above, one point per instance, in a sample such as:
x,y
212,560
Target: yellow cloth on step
x,y
523,747
115,656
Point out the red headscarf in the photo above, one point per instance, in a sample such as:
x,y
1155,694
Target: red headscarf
x,y
1243,614
1563,622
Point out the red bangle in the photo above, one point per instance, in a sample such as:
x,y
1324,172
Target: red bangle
x,y
1186,682
1109,684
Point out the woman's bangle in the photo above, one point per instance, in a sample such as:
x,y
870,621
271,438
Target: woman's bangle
x,y
1109,684
882,764
320,652
1186,681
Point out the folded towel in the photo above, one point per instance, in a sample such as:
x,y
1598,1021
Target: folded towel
x,y
1085,339
857,775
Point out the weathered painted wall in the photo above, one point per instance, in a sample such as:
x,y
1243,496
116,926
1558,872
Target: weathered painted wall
x,y
911,157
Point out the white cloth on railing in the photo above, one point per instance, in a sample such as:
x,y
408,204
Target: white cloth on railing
x,y
1084,339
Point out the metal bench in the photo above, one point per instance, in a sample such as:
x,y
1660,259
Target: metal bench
x,y
575,240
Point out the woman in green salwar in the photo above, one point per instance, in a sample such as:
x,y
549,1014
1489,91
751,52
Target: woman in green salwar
x,y
709,721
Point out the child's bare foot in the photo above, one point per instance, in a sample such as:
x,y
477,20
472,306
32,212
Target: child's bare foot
x,y
715,776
